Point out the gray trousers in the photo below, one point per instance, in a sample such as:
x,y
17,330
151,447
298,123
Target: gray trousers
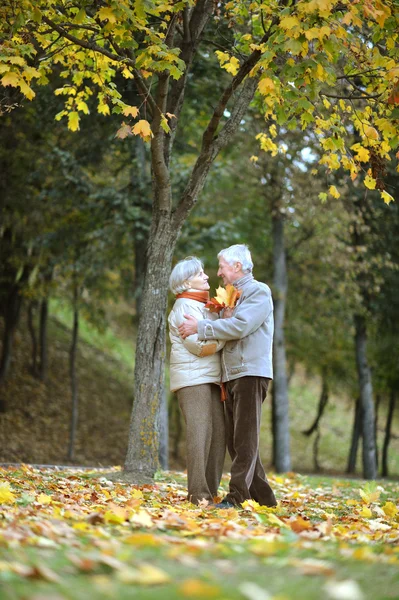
x,y
243,408
206,443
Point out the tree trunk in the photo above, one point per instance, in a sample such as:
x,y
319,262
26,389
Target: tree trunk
x,y
43,339
142,459
32,332
141,191
323,400
377,408
387,437
356,434
12,311
366,399
282,459
73,376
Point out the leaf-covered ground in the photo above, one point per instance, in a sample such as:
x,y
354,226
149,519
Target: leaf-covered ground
x,y
76,534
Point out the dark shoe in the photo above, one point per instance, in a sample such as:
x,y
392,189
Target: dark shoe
x,y
225,505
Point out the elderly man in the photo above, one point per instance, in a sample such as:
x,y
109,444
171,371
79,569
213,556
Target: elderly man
x,y
247,371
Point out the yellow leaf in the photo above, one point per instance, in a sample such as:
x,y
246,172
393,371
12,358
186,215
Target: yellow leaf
x,y
127,74
232,66
141,518
130,110
26,90
137,494
266,86
372,133
16,60
254,158
106,13
228,295
6,495
143,129
142,540
362,154
334,192
390,509
366,512
44,499
195,588
83,107
370,182
73,121
11,78
116,515
145,575
387,197
289,23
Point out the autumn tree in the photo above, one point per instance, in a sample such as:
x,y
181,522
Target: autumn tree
x,y
309,61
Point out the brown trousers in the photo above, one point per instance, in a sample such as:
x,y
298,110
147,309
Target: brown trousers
x,y
206,443
242,416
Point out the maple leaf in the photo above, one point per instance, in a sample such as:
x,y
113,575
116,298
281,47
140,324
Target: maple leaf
x,y
11,78
143,129
225,297
6,495
130,110
124,131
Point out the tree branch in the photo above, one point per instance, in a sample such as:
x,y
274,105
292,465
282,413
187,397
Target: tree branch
x,y
116,57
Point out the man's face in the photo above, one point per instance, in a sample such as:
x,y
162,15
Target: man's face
x,y
229,273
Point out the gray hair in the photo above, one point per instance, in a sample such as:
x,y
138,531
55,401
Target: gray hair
x,y
182,271
238,253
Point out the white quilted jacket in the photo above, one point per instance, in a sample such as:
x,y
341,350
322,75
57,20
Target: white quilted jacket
x,y
192,361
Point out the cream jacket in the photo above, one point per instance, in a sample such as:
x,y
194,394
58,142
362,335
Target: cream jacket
x,y
192,361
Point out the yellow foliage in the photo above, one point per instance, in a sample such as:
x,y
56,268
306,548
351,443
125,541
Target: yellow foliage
x,y
362,154
73,121
6,495
143,129
266,86
44,499
132,111
386,197
334,192
390,509
370,182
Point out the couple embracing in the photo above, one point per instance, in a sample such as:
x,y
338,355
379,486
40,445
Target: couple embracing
x,y
236,351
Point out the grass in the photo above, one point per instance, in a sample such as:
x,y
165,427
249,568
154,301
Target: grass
x,y
120,347
186,552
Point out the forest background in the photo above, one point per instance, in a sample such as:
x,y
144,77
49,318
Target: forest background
x,y
76,216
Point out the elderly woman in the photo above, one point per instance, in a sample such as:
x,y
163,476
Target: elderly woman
x,y
195,376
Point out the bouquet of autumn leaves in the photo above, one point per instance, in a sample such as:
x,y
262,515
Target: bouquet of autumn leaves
x,y
225,298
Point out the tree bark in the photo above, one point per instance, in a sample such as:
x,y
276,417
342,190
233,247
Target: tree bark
x,y
366,399
32,332
142,459
43,340
73,376
11,313
282,458
356,434
387,437
323,400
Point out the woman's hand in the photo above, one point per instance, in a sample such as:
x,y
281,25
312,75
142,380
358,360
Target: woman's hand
x,y
228,312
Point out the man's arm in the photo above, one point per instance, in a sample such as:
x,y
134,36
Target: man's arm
x,y
248,317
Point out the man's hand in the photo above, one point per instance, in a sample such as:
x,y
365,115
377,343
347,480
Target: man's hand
x,y
189,327
227,312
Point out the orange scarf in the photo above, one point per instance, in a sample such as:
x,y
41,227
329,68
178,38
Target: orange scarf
x,y
199,296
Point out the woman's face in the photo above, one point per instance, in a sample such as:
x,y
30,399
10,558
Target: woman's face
x,y
199,281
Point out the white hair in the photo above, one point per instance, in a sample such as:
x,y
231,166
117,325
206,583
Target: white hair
x,y
238,253
182,271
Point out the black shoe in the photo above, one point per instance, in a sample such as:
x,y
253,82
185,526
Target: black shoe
x,y
224,504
